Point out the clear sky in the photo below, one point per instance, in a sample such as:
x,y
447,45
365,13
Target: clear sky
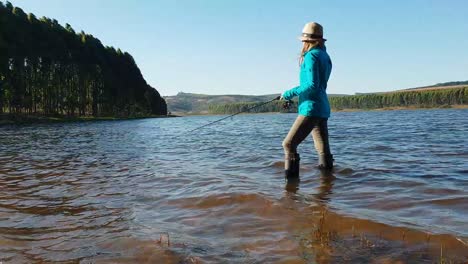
x,y
251,46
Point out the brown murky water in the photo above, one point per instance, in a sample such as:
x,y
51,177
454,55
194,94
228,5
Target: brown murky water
x,y
128,192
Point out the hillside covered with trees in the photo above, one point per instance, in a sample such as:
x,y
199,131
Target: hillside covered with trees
x,y
51,70
276,106
190,103
199,103
417,99
411,99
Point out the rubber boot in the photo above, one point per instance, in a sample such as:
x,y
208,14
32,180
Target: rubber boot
x,y
292,166
326,162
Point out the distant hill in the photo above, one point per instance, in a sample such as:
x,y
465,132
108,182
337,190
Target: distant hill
x,y
438,86
190,103
445,84
405,99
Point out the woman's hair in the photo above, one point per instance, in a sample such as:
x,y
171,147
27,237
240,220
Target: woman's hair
x,y
308,45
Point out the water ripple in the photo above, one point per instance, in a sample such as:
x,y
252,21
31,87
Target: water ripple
x,y
109,192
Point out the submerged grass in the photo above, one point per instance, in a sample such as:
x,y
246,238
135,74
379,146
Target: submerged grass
x,y
324,244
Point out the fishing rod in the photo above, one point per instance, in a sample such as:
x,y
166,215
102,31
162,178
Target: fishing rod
x,y
240,112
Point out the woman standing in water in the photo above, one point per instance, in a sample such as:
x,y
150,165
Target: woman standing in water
x,y
313,107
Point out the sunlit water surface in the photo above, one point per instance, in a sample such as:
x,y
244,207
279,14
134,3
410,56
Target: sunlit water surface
x,y
145,191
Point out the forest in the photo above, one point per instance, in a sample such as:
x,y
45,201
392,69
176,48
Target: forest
x,y
430,98
50,70
275,106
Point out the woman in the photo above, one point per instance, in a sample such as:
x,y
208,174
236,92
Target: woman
x,y
313,108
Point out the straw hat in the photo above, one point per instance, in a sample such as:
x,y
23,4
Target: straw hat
x,y
312,31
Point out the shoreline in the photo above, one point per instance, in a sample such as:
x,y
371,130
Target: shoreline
x,y
12,119
180,114
16,119
397,108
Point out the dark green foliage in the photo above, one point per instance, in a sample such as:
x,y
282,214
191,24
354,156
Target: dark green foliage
x,y
417,99
198,103
276,106
50,70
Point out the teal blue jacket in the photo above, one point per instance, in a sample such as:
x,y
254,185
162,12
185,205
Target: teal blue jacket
x,y
315,72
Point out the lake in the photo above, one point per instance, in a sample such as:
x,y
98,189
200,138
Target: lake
x,y
146,191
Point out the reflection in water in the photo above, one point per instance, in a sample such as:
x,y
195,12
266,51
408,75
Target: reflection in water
x,y
319,239
324,190
292,185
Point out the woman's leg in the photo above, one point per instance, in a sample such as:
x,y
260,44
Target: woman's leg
x,y
298,132
320,136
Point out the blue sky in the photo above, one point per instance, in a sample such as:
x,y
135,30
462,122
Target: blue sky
x,y
251,47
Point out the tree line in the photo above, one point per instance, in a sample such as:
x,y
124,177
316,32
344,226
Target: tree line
x,y
275,106
49,69
418,99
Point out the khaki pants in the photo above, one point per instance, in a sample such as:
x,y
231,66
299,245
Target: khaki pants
x,y
301,128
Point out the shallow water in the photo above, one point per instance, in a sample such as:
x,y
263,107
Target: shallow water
x,y
134,191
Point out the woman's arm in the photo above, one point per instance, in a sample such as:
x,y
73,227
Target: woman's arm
x,y
307,81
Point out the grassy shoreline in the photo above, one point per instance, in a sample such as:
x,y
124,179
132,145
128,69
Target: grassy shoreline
x,y
396,108
340,110
9,119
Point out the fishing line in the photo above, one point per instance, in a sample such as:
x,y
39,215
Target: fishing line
x,y
240,112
